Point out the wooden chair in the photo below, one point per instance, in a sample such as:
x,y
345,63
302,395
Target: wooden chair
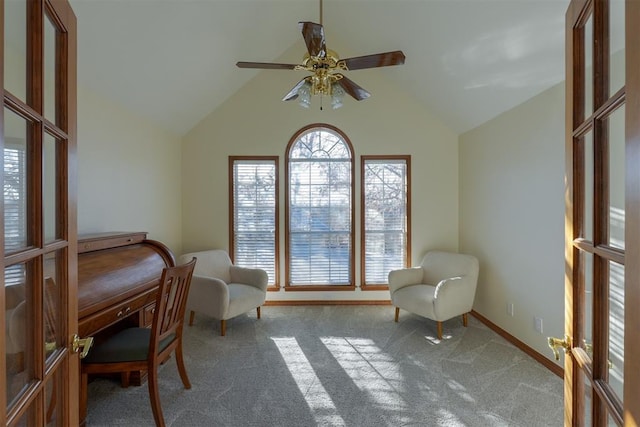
x,y
136,349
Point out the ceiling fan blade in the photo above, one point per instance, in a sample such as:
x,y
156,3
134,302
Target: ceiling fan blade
x,y
266,65
376,60
314,38
293,93
352,88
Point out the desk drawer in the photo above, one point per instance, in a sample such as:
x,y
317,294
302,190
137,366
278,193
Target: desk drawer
x,y
98,321
147,315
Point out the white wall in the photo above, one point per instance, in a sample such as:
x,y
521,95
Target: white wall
x,y
512,216
256,122
129,176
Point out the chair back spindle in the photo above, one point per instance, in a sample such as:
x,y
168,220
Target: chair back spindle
x,y
170,304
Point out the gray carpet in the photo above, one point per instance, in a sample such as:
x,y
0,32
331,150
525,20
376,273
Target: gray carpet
x,y
341,366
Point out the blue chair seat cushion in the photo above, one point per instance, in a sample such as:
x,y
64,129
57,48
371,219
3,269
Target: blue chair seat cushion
x,y
128,345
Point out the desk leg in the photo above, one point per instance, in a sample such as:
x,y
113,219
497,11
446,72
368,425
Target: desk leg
x,y
84,379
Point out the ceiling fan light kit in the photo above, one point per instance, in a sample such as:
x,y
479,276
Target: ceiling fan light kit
x,y
326,68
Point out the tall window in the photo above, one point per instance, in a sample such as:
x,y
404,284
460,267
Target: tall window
x,y
319,209
386,217
254,213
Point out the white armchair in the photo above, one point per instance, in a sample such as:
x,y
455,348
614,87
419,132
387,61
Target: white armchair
x,y
221,290
442,287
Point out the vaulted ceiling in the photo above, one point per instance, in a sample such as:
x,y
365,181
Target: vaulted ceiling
x,y
173,61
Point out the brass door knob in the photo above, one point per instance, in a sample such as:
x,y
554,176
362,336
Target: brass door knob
x,y
555,343
82,345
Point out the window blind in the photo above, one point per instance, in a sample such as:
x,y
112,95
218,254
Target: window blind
x,y
254,215
385,184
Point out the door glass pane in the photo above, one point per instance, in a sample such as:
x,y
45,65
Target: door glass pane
x,y
617,45
18,330
50,75
588,400
616,327
52,303
28,419
616,178
53,392
588,186
15,182
588,65
15,48
588,301
50,195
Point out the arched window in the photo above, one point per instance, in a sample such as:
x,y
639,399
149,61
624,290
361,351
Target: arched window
x,y
319,209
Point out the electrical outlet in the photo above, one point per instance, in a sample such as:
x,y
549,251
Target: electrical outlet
x,y
510,309
538,324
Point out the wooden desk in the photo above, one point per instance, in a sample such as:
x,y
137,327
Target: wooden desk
x,y
118,276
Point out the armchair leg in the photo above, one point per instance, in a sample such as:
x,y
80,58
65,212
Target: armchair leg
x,y
192,315
465,319
223,327
439,327
397,313
258,311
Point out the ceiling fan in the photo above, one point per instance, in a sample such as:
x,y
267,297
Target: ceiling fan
x,y
326,68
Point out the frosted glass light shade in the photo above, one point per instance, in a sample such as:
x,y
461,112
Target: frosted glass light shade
x,y
337,95
304,95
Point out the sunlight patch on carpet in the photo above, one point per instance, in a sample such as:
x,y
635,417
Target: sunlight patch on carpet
x,y
319,401
372,370
435,341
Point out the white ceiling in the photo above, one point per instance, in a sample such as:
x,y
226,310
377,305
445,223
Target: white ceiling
x,y
173,61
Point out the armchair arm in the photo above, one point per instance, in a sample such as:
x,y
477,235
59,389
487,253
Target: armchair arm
x,y
256,277
454,296
398,279
208,295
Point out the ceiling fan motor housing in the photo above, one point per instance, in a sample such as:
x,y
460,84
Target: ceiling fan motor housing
x,y
325,66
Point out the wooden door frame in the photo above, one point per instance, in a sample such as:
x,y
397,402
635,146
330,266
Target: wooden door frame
x,y
572,407
3,344
72,386
632,217
64,129
577,125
